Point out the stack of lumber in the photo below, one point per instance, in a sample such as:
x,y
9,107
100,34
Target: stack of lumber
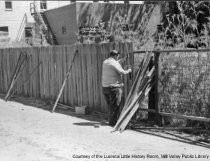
x,y
139,90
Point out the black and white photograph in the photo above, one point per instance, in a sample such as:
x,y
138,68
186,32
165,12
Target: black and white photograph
x,y
104,80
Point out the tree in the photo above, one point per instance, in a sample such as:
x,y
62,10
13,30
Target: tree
x,y
186,23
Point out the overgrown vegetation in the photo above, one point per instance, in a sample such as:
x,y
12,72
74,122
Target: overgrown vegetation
x,y
119,23
186,24
185,77
119,31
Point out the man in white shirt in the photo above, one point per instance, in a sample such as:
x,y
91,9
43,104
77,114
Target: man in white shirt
x,y
112,72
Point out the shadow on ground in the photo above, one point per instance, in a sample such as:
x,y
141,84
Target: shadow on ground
x,y
93,119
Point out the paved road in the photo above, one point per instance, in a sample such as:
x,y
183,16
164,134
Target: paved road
x,y
32,134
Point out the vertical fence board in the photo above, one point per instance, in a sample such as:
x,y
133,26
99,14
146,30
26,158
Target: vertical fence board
x,y
69,86
54,80
64,73
49,72
1,72
83,77
57,72
93,74
90,71
76,64
70,80
34,76
44,72
41,72
61,72
102,56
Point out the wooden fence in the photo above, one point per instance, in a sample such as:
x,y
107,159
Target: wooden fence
x,y
84,85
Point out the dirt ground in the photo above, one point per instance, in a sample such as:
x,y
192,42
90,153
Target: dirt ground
x,y
28,133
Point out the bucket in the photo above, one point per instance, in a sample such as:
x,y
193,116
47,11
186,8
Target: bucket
x,y
80,110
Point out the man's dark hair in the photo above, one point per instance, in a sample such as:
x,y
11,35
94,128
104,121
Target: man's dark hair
x,y
114,53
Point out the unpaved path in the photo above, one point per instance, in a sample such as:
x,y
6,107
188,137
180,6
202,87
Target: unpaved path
x,y
32,134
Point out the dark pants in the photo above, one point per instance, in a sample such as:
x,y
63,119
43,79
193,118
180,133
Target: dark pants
x,y
113,97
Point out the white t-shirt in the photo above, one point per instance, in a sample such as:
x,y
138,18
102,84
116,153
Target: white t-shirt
x,y
112,73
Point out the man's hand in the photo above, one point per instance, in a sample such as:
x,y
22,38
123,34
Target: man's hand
x,y
121,84
129,70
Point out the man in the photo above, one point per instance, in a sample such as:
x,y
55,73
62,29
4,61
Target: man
x,y
112,72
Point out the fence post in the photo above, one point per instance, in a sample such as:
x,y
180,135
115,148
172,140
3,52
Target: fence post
x,y
151,96
158,118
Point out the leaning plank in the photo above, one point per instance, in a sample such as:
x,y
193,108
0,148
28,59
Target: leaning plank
x,y
134,85
20,64
127,111
135,95
135,100
134,109
26,80
64,82
138,80
62,107
65,106
15,75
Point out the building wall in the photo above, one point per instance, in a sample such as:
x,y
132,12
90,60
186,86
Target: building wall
x,y
86,14
13,18
63,17
53,4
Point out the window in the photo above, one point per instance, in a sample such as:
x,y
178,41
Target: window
x,y
64,30
8,5
43,4
28,32
4,30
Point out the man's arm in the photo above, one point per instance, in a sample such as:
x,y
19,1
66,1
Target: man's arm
x,y
120,70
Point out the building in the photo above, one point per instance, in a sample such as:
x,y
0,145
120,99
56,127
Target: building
x,y
16,21
69,21
61,22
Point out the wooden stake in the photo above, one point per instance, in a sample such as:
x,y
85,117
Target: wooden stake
x,y
26,80
20,64
64,82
